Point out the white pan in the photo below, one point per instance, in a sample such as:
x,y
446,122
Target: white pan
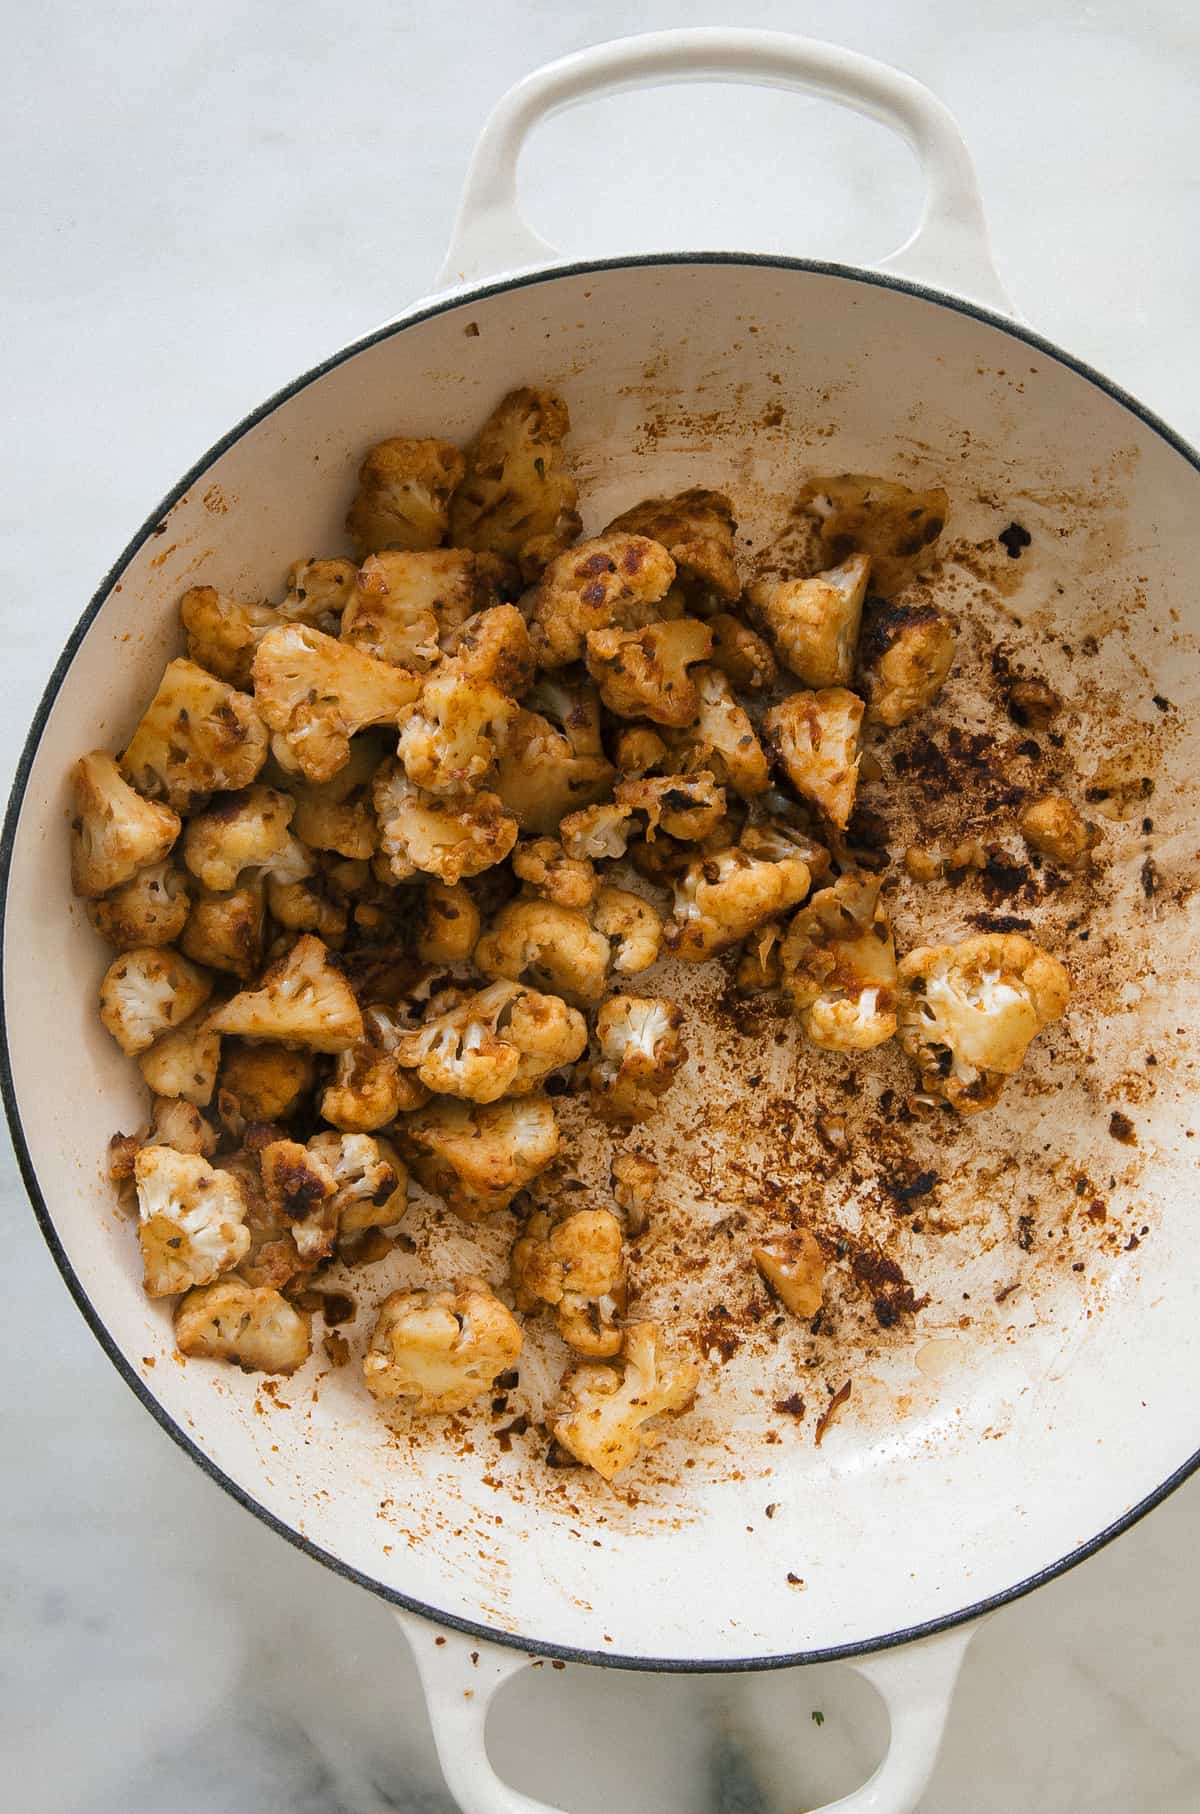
x,y
1008,1433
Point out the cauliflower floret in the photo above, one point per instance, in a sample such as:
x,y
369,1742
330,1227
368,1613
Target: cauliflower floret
x,y
318,593
449,927
793,1265
632,926
225,931
179,1124
895,525
543,863
318,692
815,737
723,738
477,1156
558,946
450,739
597,832
403,496
906,652
196,736
839,966
114,832
968,1013
635,1180
223,633
439,1351
644,673
502,1041
613,582
814,623
247,830
300,1189
759,969
446,838
602,1413
337,815
741,654
301,999
266,1081
147,991
1054,827
517,501
369,1089
253,1326
151,909
723,896
184,1063
404,606
638,751
578,1267
697,529
191,1220
541,779
370,1179
640,1053
688,807
494,645
307,907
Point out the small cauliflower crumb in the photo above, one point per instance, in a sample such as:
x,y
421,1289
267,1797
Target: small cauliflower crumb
x,y
1056,829
793,1265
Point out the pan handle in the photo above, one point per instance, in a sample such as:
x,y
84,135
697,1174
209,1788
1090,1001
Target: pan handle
x,y
949,248
460,1677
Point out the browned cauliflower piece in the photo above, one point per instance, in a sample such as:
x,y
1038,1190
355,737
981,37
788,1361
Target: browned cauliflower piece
x,y
544,865
895,525
640,1053
477,1156
598,832
613,582
226,931
722,896
632,926
197,736
308,906
301,999
635,1182
494,646
404,606
741,654
318,692
184,1063
697,528
369,1089
253,1326
644,673
502,1041
838,965
146,992
517,500
440,1351
688,807
759,969
403,496
151,909
578,1267
450,738
814,623
1056,829
554,761
300,1188
246,830
815,737
443,837
723,739
906,652
602,1413
793,1266
176,1123
370,1180
968,1013
337,814
267,1081
114,832
223,633
558,946
191,1220
449,929
318,592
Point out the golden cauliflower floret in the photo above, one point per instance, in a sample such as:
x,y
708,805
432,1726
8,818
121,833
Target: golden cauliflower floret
x,y
151,909
300,1187
191,1220
793,1265
906,652
403,607
267,1081
449,929
318,593
403,496
146,992
517,500
613,582
301,999
895,525
477,1156
196,737
596,833
450,738
308,906
368,1089
968,1013
494,646
1056,829
546,867
439,1351
318,692
640,1053
558,946
815,737
688,807
223,633
721,897
814,623
603,1413
723,738
253,1326
370,1180
504,1040
838,965
114,832
577,1266
741,654
336,815
697,528
177,1123
246,830
540,777
447,838
225,931
633,927
184,1063
644,673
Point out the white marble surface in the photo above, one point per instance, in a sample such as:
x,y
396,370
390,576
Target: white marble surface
x,y
200,201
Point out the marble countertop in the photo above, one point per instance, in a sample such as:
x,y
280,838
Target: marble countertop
x,y
201,201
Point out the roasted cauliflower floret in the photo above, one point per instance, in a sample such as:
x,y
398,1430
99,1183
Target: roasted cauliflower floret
x,y
558,946
369,1089
318,593
543,863
613,582
540,777
442,837
688,807
404,607
151,909
223,633
301,999
477,1156
146,992
906,652
644,673
741,654
318,692
814,623
191,1220
403,496
184,1063
793,1265
370,1180
838,965
632,926
815,737
967,1013
598,832
1054,828
247,830
225,931
635,1181
197,736
892,523
253,1326
721,897
494,646
308,906
450,738
723,739
337,814
517,500
300,1189
268,1082
578,1267
449,927
602,1414
114,832
697,529
179,1124
502,1041
640,1053
439,1351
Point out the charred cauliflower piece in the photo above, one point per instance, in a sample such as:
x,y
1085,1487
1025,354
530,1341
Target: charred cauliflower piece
x,y
759,969
697,529
558,946
838,965
318,593
578,1267
151,909
184,1063
793,1265
146,992
1054,828
450,738
439,1351
741,654
640,1053
246,830
300,1188
223,633
318,692
301,999
197,736
225,931
723,738
632,926
476,1157
403,607
968,1013
613,582
114,832
369,1089
253,1326
815,737
447,838
644,673
722,897
814,623
369,1177
893,524
502,1041
191,1220
688,807
602,1414
906,652
554,761
267,1081
403,496
337,814
517,500
449,928
544,865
